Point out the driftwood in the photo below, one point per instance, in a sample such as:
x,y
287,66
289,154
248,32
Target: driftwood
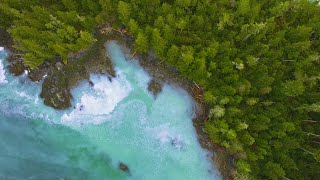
x,y
197,92
308,133
107,30
134,54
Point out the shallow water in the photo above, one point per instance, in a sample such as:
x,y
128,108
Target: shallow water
x,y
116,120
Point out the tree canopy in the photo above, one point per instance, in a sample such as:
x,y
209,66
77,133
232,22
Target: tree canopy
x,y
257,62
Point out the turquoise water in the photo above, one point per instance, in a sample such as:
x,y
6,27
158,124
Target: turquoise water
x,y
116,120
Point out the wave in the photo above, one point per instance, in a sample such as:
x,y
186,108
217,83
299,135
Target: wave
x,y
2,71
99,101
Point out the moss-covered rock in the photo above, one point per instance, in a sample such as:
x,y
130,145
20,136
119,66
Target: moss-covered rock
x,y
55,91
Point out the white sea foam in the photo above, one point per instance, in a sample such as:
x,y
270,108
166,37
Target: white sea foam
x,y
166,135
1,48
2,73
23,94
36,100
141,76
94,106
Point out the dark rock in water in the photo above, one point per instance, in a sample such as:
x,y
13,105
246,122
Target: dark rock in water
x,y
174,142
124,167
81,107
109,78
155,87
178,144
91,83
17,68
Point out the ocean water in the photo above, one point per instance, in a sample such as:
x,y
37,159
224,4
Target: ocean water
x,y
115,121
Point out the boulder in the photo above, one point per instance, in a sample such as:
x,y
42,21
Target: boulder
x,y
124,167
17,68
55,92
91,83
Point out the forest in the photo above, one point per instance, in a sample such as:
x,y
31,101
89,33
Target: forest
x,y
256,60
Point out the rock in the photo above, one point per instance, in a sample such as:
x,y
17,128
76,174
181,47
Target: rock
x,y
55,92
174,142
60,78
109,78
59,66
124,167
37,74
60,97
178,144
81,107
91,83
17,68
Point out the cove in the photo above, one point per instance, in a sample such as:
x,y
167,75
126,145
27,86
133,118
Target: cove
x,y
115,120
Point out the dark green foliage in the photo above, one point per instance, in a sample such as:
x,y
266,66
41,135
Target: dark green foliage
x,y
257,61
45,31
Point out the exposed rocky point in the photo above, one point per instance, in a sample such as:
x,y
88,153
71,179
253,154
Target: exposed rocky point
x,y
17,68
37,74
62,77
55,91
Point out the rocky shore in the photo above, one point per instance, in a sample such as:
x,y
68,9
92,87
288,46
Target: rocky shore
x,y
162,73
59,79
62,78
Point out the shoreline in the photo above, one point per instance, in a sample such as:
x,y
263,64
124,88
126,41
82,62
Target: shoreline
x,y
163,73
96,60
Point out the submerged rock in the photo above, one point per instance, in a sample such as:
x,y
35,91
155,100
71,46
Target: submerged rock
x,y
91,83
124,167
178,144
